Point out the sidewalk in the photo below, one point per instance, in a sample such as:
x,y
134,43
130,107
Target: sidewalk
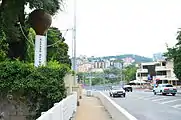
x,y
91,109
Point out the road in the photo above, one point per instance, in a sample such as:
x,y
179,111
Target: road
x,y
146,106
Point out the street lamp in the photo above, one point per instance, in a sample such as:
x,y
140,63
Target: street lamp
x,y
74,42
122,66
40,21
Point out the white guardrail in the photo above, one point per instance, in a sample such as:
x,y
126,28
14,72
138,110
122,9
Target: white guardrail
x,y
63,110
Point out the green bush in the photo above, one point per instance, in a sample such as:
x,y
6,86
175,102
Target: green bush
x,y
39,88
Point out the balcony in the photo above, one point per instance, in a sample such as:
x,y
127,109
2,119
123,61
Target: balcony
x,y
162,68
162,77
142,71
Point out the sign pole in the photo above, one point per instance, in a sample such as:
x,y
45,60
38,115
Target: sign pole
x,y
40,51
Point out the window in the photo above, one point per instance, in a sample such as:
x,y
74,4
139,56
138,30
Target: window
x,y
143,74
161,73
163,63
145,67
158,64
167,86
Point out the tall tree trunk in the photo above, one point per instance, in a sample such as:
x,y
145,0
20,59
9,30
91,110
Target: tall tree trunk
x,y
17,48
16,40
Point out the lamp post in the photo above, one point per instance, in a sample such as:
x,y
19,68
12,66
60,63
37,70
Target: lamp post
x,y
122,66
140,75
40,21
74,42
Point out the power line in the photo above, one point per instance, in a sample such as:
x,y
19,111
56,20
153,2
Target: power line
x,y
60,40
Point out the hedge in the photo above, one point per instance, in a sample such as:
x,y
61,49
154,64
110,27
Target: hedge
x,y
38,88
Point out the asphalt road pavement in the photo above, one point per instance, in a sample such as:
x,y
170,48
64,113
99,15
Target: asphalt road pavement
x,y
146,106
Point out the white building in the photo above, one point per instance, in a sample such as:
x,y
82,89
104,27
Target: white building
x,y
162,70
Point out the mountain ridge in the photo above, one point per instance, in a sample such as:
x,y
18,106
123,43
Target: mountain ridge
x,y
137,58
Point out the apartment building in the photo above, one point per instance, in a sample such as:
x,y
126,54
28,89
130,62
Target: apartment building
x,y
85,67
162,70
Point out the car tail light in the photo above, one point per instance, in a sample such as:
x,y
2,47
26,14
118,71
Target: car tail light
x,y
174,89
166,89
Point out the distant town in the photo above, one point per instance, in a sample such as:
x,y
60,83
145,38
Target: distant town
x,y
84,63
158,66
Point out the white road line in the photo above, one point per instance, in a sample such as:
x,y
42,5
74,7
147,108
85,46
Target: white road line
x,y
177,106
145,97
122,110
170,101
159,99
153,97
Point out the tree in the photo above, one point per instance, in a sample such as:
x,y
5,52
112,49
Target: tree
x,y
3,47
130,73
174,54
58,49
13,14
112,74
97,81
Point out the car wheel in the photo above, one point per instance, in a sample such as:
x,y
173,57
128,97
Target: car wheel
x,y
113,95
131,90
110,94
163,93
173,94
124,95
154,93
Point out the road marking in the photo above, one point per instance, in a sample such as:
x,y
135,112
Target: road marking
x,y
149,98
122,110
177,106
159,99
144,97
170,101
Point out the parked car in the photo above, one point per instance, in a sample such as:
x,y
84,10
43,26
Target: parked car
x,y
165,89
117,91
128,88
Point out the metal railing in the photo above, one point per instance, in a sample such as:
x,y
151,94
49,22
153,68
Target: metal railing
x,y
63,110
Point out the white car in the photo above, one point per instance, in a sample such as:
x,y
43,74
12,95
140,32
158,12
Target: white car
x,y
165,89
117,91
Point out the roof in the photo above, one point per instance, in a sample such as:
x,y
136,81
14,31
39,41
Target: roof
x,y
149,63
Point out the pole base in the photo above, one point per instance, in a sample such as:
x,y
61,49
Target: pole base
x,y
80,97
78,103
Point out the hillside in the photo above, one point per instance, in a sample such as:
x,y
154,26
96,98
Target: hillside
x,y
138,58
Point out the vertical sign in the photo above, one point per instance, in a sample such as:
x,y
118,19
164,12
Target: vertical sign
x,y
40,50
154,81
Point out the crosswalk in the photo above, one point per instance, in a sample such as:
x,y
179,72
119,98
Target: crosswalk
x,y
172,101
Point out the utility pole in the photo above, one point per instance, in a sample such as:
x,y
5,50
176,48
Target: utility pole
x,y
74,41
140,75
90,80
122,66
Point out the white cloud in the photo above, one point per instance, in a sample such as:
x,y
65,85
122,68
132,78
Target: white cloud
x,y
111,27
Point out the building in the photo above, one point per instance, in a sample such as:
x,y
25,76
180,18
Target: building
x,y
162,70
128,61
85,67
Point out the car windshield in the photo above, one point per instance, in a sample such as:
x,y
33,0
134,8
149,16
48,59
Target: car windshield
x,y
167,86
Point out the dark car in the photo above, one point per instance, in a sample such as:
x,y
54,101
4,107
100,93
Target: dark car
x,y
128,88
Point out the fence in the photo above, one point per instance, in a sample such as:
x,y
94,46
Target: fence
x,y
63,110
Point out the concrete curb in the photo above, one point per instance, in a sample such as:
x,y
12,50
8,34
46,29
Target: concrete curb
x,y
116,112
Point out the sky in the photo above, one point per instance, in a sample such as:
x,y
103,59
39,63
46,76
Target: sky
x,y
114,27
